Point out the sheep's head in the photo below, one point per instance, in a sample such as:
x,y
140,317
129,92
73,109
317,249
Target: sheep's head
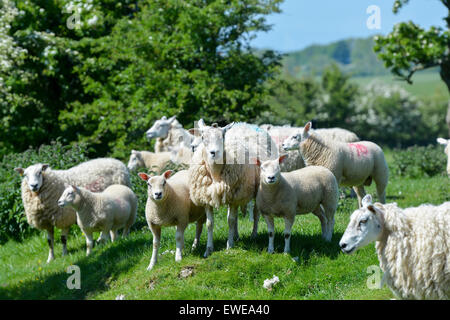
x,y
213,140
446,143
135,161
70,196
157,185
270,170
366,225
293,141
34,175
197,140
160,128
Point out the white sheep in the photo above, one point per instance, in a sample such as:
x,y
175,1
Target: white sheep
x,y
169,204
353,164
446,143
286,194
413,246
149,160
169,133
221,172
42,186
108,211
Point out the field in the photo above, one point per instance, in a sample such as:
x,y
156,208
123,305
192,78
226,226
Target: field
x,y
321,271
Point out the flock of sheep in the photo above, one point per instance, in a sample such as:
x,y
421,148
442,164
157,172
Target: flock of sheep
x,y
273,171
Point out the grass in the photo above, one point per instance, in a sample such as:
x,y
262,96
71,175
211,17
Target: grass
x,y
321,272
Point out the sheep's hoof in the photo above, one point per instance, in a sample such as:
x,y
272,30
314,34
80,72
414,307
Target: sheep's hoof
x,y
208,252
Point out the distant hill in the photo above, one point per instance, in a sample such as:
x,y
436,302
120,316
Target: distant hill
x,y
354,56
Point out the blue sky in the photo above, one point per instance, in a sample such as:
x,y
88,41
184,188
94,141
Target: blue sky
x,y
306,22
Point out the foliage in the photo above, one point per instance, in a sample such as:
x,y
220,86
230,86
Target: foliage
x,y
13,222
418,162
101,71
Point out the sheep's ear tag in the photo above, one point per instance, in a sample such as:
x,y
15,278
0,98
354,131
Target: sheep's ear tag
x,y
367,200
143,176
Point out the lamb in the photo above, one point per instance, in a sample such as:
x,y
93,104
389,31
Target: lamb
x,y
171,132
446,143
311,189
108,211
169,204
42,186
413,246
150,160
221,173
353,164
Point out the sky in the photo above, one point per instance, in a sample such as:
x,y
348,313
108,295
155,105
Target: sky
x,y
306,22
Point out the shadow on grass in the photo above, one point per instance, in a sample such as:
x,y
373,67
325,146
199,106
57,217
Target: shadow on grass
x,y
97,271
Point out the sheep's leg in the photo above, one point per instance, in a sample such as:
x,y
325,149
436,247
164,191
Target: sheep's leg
x,y
156,231
198,231
210,226
179,238
244,210
271,230
360,192
236,231
288,222
104,236
64,234
255,214
325,223
51,242
381,190
89,242
114,235
232,226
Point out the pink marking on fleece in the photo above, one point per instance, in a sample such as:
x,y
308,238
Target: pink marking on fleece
x,y
360,149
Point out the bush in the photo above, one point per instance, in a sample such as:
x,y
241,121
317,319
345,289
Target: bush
x,y
13,222
416,162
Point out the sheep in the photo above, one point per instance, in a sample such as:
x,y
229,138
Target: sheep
x,y
353,164
169,204
149,160
285,194
42,186
181,155
412,244
171,132
338,134
446,143
220,173
108,211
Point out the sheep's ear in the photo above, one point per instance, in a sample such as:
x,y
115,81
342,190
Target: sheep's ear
x,y
74,188
371,208
133,151
442,141
269,127
45,167
227,127
143,176
282,158
171,119
307,127
201,123
215,125
366,201
257,162
167,174
19,170
163,118
194,131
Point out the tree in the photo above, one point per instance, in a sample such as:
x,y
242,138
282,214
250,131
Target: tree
x,y
409,48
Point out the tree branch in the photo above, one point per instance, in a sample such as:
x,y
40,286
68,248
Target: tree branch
x,y
419,67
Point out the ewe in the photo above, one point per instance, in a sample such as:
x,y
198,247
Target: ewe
x,y
108,211
353,164
413,246
221,173
285,194
169,204
169,133
41,188
149,160
446,143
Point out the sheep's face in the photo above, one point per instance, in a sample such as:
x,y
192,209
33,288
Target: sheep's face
x,y
292,142
157,185
135,160
270,170
446,143
69,197
160,128
213,139
365,227
33,175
